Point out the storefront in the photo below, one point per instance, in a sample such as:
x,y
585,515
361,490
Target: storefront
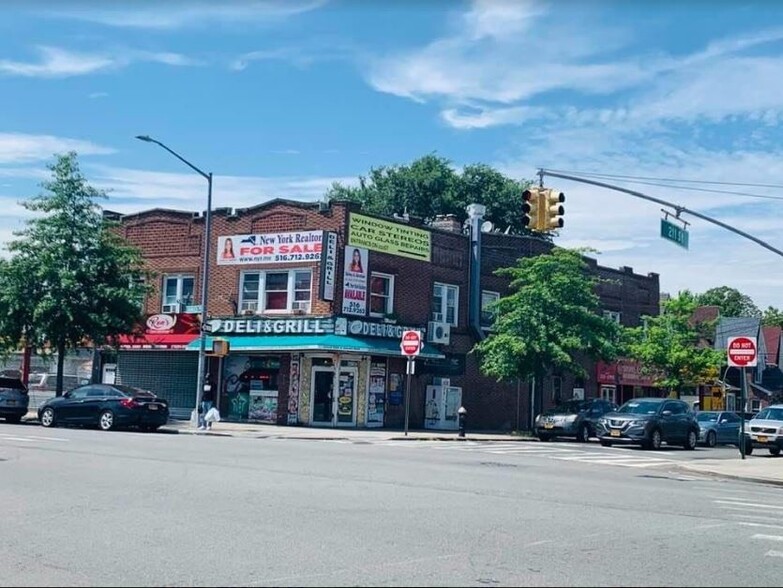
x,y
623,380
317,371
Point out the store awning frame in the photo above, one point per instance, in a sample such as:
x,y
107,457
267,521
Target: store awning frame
x,y
333,343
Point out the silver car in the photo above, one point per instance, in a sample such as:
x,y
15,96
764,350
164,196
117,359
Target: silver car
x,y
718,428
765,430
14,399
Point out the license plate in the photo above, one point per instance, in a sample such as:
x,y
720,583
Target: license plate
x,y
615,433
761,439
152,406
549,426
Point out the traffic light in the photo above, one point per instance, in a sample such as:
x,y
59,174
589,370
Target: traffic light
x,y
553,210
531,208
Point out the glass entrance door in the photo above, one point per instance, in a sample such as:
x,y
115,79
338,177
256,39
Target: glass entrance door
x,y
346,397
321,393
327,405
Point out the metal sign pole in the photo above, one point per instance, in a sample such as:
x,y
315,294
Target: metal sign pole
x,y
742,412
409,371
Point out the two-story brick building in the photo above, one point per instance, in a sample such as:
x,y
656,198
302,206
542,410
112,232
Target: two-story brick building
x,y
312,299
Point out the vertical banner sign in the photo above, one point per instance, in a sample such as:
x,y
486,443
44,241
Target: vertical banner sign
x,y
293,392
328,266
355,281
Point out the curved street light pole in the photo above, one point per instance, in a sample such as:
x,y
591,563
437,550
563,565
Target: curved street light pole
x,y
202,347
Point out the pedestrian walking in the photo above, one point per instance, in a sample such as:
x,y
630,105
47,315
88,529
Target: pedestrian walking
x,y
207,401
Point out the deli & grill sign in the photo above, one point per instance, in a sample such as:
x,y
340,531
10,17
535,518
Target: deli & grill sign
x,y
253,326
270,248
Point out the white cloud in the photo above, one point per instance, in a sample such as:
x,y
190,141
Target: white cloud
x,y
174,14
23,148
96,95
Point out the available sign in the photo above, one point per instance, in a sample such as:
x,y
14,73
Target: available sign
x,y
355,281
741,351
269,248
388,237
328,266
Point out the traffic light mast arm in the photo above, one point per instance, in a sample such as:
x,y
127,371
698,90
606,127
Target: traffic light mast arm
x,y
679,209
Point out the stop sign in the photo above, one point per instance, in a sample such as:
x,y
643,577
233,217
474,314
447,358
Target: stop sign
x,y
742,351
410,344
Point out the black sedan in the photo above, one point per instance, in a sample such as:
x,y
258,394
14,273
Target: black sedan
x,y
107,406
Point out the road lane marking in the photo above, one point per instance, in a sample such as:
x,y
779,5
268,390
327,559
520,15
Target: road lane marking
x,y
767,537
756,518
8,438
773,553
762,525
748,504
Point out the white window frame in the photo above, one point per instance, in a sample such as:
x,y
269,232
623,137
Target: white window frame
x,y
178,306
613,315
496,296
440,317
258,305
389,300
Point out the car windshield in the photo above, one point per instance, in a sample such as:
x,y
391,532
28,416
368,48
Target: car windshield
x,y
131,391
640,407
707,417
771,414
568,408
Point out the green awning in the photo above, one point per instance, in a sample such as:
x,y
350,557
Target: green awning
x,y
285,343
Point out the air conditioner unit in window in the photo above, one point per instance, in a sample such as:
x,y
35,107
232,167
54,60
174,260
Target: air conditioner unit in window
x,y
438,332
300,306
248,312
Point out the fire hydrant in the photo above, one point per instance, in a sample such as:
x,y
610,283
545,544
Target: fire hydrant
x,y
462,412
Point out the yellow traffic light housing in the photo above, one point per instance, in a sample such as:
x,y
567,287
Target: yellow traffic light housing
x,y
553,210
531,208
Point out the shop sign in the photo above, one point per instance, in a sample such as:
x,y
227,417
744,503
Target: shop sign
x,y
360,328
355,281
181,324
328,266
389,237
257,326
269,248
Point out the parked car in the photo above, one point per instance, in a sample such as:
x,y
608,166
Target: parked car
x,y
107,406
14,399
574,418
765,430
718,427
649,422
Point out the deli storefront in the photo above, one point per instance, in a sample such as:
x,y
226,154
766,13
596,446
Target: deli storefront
x,y
316,371
622,380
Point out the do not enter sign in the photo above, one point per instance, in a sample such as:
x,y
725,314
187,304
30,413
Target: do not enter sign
x,y
410,344
742,351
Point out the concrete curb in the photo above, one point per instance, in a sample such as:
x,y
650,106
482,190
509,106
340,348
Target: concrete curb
x,y
721,475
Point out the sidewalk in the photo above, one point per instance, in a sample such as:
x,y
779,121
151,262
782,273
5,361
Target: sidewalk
x,y
763,469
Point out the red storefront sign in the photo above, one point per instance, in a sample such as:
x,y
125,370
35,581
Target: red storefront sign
x,y
623,372
163,331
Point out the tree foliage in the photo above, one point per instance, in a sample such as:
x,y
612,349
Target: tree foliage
x,y
70,278
431,186
672,348
772,317
550,320
731,302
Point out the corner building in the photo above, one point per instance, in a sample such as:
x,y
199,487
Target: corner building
x,y
313,298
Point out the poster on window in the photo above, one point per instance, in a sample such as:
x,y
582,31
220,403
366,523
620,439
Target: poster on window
x,y
376,395
355,281
249,387
293,392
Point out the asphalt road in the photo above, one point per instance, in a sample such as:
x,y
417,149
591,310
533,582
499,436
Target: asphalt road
x,y
83,507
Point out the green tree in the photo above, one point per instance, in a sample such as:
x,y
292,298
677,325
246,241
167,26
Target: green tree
x,y
70,279
772,317
550,320
731,301
430,186
672,348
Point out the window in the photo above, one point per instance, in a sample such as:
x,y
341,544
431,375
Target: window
x,y
275,291
487,312
445,300
177,292
612,316
381,294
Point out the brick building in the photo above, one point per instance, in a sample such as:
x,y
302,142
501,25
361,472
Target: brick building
x,y
298,289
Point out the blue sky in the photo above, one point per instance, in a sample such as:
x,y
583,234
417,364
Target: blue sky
x,y
279,99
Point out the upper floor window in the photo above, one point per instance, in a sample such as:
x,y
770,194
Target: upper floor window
x,y
488,312
177,292
612,316
275,291
445,303
381,294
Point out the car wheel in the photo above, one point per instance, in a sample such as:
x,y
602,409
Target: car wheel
x,y
712,439
690,441
544,437
774,451
655,440
583,434
47,417
606,443
106,420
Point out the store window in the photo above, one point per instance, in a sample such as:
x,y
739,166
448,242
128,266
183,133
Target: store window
x,y
445,301
488,313
381,294
177,292
275,291
612,315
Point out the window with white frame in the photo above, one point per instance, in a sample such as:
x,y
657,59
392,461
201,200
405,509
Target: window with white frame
x,y
445,303
488,313
381,294
612,316
177,292
275,291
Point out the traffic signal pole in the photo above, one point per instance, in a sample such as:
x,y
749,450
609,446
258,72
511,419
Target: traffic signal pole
x,y
678,209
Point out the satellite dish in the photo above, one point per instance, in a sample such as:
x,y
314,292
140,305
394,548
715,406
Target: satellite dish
x,y
486,227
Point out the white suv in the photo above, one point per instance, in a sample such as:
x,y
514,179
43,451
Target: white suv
x,y
765,430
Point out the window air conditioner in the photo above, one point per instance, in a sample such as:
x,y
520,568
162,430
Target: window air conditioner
x,y
300,306
439,332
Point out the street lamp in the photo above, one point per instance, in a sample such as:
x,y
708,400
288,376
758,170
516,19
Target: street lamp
x,y
202,346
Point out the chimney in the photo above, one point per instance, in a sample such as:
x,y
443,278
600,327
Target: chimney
x,y
447,222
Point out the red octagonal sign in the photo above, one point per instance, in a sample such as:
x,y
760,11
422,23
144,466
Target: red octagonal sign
x,y
410,344
742,351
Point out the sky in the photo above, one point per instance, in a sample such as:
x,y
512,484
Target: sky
x,y
283,98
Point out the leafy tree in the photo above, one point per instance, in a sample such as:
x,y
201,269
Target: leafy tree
x,y
668,346
550,320
731,301
430,186
70,279
772,317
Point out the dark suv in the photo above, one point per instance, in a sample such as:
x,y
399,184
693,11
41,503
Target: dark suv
x,y
14,399
574,418
649,422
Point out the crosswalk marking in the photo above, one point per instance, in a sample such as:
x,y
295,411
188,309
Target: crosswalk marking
x,y
29,438
767,537
733,502
773,553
